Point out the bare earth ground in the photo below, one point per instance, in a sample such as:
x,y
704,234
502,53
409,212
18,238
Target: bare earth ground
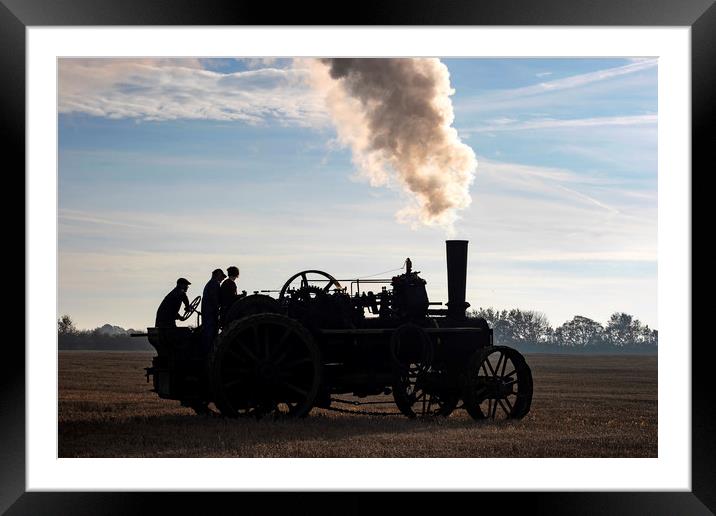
x,y
583,406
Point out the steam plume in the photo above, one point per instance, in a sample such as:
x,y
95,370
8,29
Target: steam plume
x,y
396,115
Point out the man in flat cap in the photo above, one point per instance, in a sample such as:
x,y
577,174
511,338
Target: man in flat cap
x,y
210,303
168,311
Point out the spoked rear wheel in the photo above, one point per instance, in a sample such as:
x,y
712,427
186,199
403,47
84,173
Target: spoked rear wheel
x,y
265,364
499,384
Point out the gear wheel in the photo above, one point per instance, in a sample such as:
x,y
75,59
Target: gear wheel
x,y
309,293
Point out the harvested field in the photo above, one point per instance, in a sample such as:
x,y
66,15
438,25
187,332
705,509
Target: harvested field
x,y
583,406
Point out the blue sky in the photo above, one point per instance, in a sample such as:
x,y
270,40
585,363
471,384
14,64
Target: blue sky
x,y
172,168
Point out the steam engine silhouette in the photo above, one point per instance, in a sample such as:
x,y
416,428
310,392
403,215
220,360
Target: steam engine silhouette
x,y
324,336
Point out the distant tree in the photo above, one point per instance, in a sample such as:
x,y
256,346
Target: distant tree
x,y
499,322
489,314
65,326
529,327
516,327
649,338
580,332
624,331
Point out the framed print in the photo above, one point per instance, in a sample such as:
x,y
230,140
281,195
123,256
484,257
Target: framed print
x,y
302,182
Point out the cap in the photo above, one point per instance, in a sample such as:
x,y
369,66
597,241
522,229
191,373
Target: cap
x,y
183,281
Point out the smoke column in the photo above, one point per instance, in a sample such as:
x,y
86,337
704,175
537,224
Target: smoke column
x,y
396,116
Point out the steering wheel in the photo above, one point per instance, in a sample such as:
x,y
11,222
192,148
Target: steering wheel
x,y
303,275
191,308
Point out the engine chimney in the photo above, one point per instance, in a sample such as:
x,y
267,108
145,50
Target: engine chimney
x,y
457,276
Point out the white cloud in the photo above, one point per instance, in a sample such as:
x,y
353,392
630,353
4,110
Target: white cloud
x,y
575,81
506,124
542,95
537,214
168,89
261,62
640,59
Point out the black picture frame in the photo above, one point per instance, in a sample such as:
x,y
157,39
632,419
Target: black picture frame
x,y
17,15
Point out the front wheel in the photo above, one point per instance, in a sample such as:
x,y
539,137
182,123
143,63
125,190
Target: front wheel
x,y
498,384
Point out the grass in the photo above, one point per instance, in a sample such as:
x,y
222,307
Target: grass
x,y
583,406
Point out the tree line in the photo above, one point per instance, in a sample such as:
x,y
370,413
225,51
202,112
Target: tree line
x,y
529,330
69,337
526,330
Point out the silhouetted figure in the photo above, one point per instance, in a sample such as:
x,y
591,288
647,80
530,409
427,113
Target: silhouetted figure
x,y
168,311
228,293
210,303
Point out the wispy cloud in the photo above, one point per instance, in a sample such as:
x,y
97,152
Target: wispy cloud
x,y
531,176
151,89
575,81
542,94
74,216
532,214
506,124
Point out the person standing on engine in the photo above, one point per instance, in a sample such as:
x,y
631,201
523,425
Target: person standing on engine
x,y
210,309
228,293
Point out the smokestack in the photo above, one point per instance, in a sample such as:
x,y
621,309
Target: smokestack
x,y
456,251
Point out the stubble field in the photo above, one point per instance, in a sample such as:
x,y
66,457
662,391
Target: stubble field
x,y
583,406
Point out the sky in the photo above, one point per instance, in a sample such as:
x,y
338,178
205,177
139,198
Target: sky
x,y
174,167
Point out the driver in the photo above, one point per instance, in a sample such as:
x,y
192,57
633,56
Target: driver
x,y
168,311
